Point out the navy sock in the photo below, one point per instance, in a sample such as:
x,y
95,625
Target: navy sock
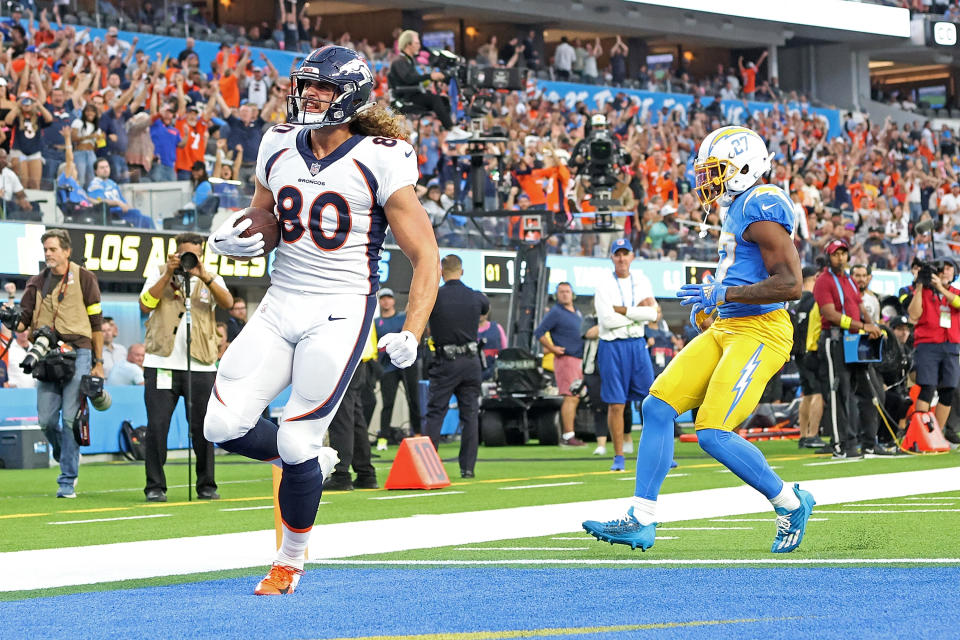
x,y
299,494
260,443
742,458
655,450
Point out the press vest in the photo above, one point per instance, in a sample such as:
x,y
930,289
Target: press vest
x,y
164,321
71,314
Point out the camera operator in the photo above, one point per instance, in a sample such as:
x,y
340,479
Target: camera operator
x,y
841,310
165,362
407,83
935,312
62,304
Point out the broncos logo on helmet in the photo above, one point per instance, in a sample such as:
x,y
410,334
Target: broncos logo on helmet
x,y
337,66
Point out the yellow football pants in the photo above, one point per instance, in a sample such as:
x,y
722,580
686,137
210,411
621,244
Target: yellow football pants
x,y
725,369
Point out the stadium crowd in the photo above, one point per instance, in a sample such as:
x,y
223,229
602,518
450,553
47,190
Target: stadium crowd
x,y
84,116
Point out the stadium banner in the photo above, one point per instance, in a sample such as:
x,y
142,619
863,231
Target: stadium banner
x,y
650,102
116,254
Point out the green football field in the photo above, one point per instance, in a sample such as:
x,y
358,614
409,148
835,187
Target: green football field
x,y
111,507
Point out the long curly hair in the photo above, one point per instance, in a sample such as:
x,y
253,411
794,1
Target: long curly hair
x,y
377,121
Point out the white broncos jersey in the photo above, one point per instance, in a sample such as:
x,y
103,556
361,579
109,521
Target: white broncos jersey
x,y
332,222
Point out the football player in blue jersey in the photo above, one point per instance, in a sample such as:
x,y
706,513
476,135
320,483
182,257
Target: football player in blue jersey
x,y
725,369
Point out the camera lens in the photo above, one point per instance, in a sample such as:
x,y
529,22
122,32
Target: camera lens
x,y
188,261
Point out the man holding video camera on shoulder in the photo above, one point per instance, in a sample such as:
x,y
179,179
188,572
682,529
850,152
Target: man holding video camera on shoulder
x,y
61,305
165,362
935,312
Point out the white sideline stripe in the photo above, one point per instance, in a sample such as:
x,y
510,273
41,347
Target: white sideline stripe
x,y
577,538
44,568
931,498
419,495
706,528
820,464
631,561
763,519
899,504
538,486
859,511
152,515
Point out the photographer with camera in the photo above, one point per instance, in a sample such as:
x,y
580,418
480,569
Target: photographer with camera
x,y
407,83
165,362
62,306
935,312
846,385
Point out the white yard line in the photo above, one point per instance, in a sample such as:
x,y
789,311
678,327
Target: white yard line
x,y
860,511
418,495
266,506
931,498
45,568
632,561
898,504
153,515
540,486
524,548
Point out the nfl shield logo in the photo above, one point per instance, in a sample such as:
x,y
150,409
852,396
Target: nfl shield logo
x,y
315,168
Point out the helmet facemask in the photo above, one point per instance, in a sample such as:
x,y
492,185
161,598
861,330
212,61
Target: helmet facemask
x,y
711,178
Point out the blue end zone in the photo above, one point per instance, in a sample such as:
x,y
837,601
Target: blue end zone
x,y
742,603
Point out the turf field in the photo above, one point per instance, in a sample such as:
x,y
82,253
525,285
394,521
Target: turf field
x,y
499,556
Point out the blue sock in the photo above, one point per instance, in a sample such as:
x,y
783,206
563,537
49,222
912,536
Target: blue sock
x,y
742,458
655,450
260,443
299,494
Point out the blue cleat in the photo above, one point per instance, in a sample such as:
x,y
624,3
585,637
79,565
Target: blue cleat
x,y
792,524
617,464
673,464
626,531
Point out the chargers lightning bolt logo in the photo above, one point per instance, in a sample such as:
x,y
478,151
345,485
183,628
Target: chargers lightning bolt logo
x,y
746,377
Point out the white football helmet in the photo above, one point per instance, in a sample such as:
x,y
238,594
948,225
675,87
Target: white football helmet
x,y
730,161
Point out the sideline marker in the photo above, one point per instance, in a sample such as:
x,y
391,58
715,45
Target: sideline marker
x,y
417,466
924,434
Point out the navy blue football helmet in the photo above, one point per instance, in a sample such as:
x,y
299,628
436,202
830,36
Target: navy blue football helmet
x,y
340,67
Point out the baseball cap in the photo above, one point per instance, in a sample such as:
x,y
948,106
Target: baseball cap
x,y
598,120
31,49
620,243
899,321
385,292
835,245
258,69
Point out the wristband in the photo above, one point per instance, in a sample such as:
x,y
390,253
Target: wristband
x,y
207,282
955,303
845,321
148,300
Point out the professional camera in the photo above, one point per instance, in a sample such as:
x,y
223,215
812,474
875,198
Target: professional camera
x,y
43,339
450,64
92,387
602,159
10,316
188,261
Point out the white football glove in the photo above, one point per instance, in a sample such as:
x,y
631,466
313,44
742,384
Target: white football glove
x,y
400,347
226,240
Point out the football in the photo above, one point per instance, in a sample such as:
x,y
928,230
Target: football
x,y
263,222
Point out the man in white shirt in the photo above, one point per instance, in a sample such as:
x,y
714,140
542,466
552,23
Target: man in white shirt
x,y
130,371
950,205
624,303
16,378
10,186
113,352
563,58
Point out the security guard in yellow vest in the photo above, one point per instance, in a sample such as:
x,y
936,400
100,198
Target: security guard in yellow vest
x,y
66,298
165,362
348,432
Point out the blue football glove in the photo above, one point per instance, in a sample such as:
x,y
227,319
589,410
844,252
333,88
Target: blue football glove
x,y
709,294
698,314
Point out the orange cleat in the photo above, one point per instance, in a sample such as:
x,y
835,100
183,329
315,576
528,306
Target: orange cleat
x,y
282,580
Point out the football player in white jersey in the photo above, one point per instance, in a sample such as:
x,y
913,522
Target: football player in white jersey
x,y
336,175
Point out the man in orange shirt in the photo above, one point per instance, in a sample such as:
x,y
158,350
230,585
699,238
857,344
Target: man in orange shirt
x,y
554,176
749,75
193,129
